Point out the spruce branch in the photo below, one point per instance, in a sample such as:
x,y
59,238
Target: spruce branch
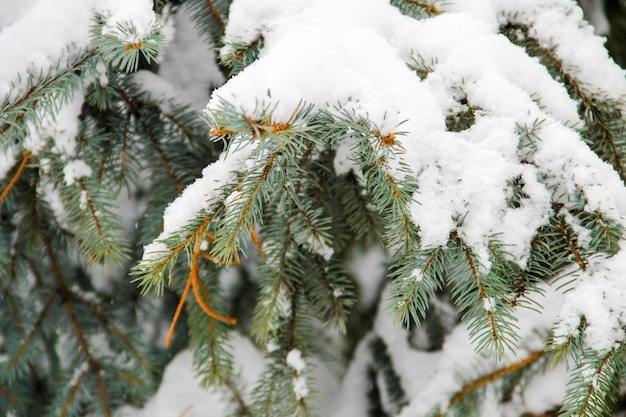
x,y
236,56
122,45
482,298
276,270
210,18
416,279
198,289
605,129
109,324
491,377
288,393
419,65
94,367
99,231
156,146
391,189
383,363
360,215
154,277
151,271
245,210
328,290
570,240
14,364
242,408
109,248
417,9
594,382
606,233
216,15
45,95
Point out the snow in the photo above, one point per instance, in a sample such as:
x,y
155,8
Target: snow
x,y
204,192
600,298
444,372
52,195
189,63
122,15
295,361
300,387
343,163
40,37
462,176
180,392
560,24
7,160
75,170
489,303
155,87
36,34
64,127
368,269
272,346
353,53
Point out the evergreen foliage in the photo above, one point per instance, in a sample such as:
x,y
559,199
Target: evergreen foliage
x,y
246,221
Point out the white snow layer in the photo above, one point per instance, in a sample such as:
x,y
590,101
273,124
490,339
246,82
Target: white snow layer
x,y
39,33
354,53
600,297
325,52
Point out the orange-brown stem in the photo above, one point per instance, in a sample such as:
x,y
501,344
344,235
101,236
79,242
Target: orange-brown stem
x,y
427,7
215,14
27,155
494,376
179,309
219,261
8,395
193,282
256,241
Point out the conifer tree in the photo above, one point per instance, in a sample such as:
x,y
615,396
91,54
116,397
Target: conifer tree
x,y
388,208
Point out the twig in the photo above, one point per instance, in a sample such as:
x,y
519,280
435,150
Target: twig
x,y
27,155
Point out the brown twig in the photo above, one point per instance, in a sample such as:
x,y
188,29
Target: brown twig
x,y
571,245
94,367
467,388
27,155
215,14
179,309
427,7
195,284
256,241
8,395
